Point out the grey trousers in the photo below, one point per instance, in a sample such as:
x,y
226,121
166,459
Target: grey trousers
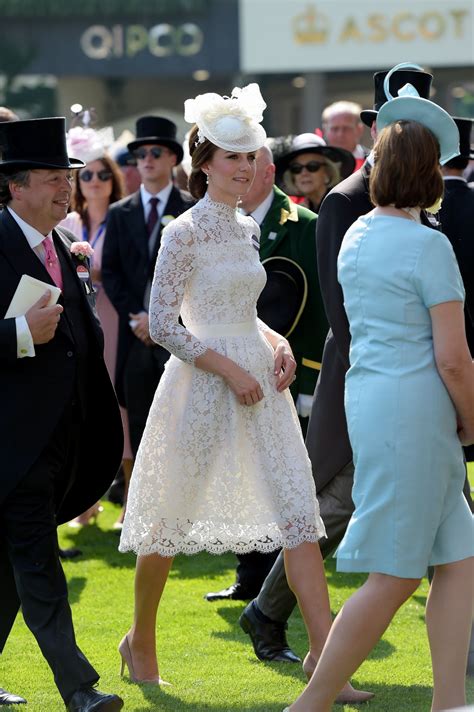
x,y
276,600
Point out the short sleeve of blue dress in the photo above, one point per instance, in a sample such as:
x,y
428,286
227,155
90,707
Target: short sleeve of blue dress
x,y
437,277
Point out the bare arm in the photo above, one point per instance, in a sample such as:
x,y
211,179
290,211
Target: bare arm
x,y
454,363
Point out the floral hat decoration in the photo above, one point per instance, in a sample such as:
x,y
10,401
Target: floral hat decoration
x,y
229,122
87,143
410,106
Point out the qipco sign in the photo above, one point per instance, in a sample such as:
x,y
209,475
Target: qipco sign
x,y
163,40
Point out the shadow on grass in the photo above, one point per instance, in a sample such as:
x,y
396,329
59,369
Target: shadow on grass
x,y
387,698
384,649
419,599
97,543
76,585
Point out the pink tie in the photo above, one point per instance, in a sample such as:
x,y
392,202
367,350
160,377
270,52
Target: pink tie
x,y
52,262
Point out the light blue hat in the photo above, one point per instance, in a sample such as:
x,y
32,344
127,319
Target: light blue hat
x,y
409,106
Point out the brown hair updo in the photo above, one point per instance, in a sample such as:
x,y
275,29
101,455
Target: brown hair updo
x,y
406,172
200,154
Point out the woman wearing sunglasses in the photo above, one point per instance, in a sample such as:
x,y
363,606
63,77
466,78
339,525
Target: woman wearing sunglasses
x,y
96,186
312,168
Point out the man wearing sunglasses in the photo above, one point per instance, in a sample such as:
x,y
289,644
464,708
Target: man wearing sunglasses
x,y
131,245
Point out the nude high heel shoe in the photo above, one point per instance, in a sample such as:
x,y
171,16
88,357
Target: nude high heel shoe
x,y
126,659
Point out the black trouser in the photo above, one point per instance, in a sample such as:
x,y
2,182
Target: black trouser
x,y
253,569
143,370
31,574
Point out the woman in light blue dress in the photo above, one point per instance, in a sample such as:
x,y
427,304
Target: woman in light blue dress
x,y
409,406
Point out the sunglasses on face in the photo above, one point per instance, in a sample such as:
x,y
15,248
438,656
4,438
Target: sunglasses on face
x,y
312,167
142,153
104,175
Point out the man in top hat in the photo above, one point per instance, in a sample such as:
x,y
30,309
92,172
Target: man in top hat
x,y
291,304
131,245
56,396
265,618
457,222
457,217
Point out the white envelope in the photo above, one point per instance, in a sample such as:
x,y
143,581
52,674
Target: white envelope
x,y
28,292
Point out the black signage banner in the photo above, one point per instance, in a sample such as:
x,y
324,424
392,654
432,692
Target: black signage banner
x,y
175,45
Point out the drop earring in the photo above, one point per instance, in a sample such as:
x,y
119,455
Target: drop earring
x,y
207,178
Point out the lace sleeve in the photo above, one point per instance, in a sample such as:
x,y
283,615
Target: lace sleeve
x,y
174,266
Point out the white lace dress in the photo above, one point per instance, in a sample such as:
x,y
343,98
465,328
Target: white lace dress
x,y
211,473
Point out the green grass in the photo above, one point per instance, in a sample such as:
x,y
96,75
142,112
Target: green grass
x,y
202,650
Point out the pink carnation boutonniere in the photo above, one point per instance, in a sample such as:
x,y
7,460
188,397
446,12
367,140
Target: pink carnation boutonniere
x,y
82,250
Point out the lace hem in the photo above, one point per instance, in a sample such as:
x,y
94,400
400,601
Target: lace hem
x,y
206,537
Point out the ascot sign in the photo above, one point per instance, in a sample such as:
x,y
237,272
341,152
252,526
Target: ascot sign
x,y
312,26
338,34
163,40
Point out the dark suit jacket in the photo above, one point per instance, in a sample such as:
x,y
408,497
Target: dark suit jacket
x,y
127,265
34,391
327,439
294,229
457,223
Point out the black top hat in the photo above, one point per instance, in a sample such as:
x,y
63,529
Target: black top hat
x,y
35,143
420,80
157,130
284,296
464,128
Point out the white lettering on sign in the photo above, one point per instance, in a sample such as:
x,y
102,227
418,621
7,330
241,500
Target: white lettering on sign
x,y
163,40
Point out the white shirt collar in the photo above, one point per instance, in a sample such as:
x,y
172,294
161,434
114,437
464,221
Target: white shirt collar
x,y
33,236
261,210
359,152
162,196
455,178
371,158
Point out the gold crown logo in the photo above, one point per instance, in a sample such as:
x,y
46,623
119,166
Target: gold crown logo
x,y
311,27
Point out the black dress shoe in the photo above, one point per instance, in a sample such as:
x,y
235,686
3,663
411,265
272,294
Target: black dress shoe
x,y
90,700
69,553
268,638
236,592
6,698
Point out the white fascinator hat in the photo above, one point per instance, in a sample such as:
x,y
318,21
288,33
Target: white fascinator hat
x,y
229,122
87,143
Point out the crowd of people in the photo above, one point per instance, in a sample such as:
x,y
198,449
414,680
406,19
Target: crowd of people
x,y
282,352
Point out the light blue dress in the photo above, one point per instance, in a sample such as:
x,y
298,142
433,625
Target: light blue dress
x,y
409,471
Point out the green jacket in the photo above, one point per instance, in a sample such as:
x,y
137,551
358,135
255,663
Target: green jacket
x,y
289,230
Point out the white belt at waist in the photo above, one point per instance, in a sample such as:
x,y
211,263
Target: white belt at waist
x,y
212,331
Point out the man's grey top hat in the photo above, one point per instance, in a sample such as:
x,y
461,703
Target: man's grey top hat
x,y
156,130
35,143
284,296
409,74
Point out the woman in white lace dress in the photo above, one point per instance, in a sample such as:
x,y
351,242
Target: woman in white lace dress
x,y
222,465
